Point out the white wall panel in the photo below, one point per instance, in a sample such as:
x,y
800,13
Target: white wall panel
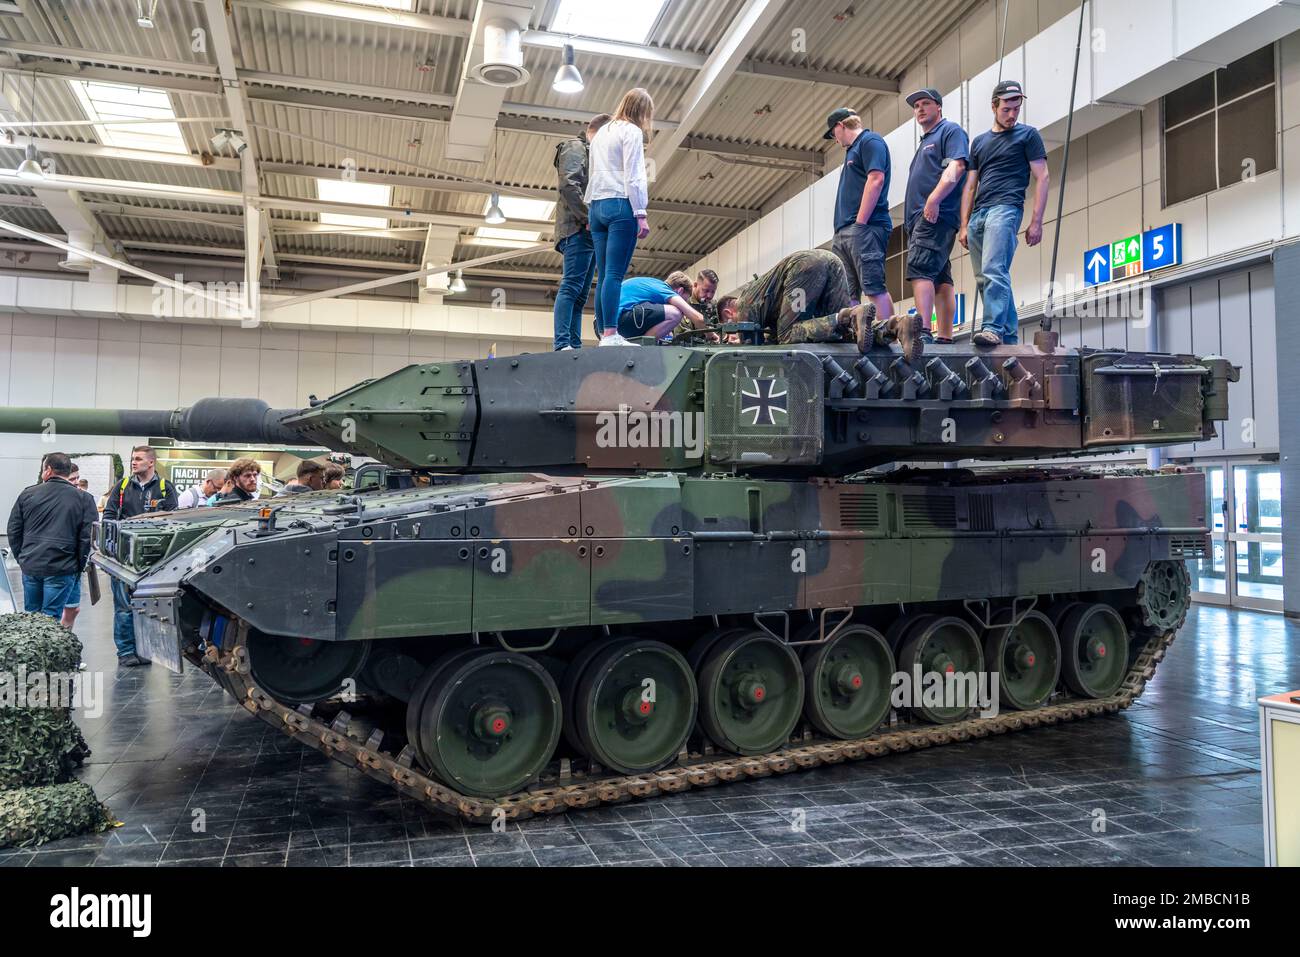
x,y
31,370
771,229
796,223
1263,358
1245,214
1138,37
159,381
75,364
277,378
315,376
240,369
117,379
200,373
1235,339
1206,336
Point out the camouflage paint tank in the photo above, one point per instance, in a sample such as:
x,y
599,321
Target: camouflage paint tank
x,y
618,572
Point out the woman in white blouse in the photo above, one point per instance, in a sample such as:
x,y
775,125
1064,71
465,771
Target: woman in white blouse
x,y
617,197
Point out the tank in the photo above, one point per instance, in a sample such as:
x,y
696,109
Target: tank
x,y
613,573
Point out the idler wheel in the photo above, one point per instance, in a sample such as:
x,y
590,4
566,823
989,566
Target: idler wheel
x,y
1094,649
847,683
634,706
1026,659
751,691
303,670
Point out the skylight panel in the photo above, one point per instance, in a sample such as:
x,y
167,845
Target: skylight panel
x,y
105,102
366,194
628,21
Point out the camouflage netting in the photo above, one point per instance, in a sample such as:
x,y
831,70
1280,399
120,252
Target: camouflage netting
x,y
39,745
35,815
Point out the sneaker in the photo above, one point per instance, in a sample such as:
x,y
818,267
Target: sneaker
x,y
566,349
986,337
131,661
614,339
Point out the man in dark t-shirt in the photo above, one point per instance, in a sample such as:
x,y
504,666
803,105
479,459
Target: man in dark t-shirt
x,y
992,206
932,210
862,222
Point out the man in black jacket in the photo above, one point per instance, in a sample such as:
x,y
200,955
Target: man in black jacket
x,y
144,490
49,531
573,238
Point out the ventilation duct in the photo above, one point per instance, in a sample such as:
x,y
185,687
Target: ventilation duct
x,y
503,56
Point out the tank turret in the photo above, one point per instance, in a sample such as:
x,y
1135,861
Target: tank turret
x,y
807,410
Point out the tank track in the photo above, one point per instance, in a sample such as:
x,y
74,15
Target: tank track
x,y
231,670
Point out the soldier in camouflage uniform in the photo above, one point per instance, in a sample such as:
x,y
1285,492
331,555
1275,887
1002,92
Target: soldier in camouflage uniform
x,y
803,298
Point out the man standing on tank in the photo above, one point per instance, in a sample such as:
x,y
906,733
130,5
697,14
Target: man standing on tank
x,y
862,221
993,204
573,237
141,492
932,211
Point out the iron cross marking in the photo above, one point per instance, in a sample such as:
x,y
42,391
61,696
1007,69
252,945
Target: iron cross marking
x,y
766,399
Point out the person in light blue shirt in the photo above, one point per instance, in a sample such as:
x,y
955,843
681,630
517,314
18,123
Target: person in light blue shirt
x,y
653,307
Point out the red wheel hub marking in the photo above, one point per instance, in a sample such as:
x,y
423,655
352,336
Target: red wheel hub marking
x,y
306,642
498,725
759,692
857,681
645,707
1030,660
1101,651
950,669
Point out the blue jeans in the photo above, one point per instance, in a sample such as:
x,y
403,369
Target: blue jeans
x,y
47,596
123,626
579,267
613,231
992,236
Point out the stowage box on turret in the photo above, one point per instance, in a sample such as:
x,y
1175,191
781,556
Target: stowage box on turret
x,y
614,572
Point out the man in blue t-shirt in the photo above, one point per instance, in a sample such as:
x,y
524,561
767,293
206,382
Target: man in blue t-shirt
x,y
932,211
993,204
862,223
653,307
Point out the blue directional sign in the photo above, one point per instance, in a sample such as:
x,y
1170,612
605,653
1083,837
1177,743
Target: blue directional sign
x,y
1162,247
1134,255
1096,266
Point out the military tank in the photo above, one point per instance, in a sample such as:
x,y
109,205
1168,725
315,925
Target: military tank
x,y
607,573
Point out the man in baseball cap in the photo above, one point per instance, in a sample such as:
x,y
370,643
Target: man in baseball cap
x,y
932,211
992,207
862,221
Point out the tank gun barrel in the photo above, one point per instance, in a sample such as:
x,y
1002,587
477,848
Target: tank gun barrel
x,y
208,420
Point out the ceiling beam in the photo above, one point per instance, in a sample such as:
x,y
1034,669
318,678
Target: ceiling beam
x,y
777,71
753,151
110,74
733,46
79,55
375,16
258,239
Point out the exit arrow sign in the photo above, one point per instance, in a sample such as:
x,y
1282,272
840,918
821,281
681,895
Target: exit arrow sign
x,y
1133,255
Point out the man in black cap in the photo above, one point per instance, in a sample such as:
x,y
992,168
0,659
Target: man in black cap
x,y
993,204
862,221
932,210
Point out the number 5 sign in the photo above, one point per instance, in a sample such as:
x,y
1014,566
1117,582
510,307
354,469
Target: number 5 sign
x,y
1162,247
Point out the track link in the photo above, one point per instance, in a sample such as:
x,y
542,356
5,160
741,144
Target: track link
x,y
231,670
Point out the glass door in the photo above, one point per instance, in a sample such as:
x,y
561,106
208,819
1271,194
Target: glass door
x,y
1255,538
1243,503
1210,574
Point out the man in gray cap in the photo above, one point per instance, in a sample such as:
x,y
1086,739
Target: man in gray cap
x,y
993,204
932,210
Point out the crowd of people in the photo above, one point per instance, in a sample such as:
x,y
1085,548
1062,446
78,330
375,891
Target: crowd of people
x,y
957,192
51,525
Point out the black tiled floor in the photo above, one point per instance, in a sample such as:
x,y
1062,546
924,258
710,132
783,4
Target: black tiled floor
x,y
1174,780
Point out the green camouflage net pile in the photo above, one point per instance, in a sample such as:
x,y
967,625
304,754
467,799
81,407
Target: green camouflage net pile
x,y
31,816
40,744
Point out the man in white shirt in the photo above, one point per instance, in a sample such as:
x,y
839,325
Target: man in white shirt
x,y
197,495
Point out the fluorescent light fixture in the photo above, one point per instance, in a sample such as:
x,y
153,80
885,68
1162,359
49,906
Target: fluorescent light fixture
x,y
519,207
342,191
504,238
567,78
405,5
104,102
629,21
494,215
458,284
